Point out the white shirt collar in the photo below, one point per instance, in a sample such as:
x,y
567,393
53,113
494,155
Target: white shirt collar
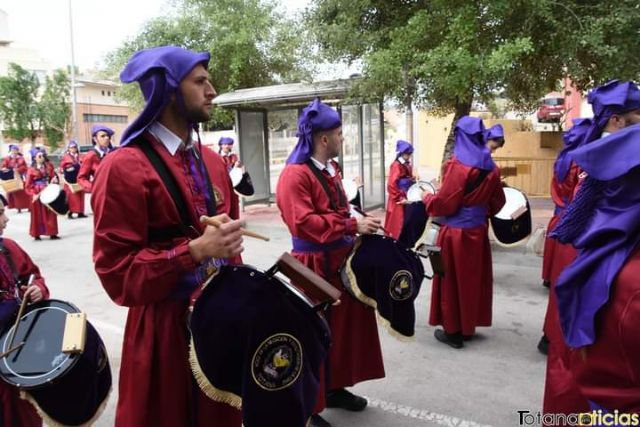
x,y
401,160
605,134
328,166
170,140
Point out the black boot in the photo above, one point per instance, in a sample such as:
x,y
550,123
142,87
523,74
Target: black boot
x,y
543,345
452,340
546,284
70,215
81,215
344,399
317,421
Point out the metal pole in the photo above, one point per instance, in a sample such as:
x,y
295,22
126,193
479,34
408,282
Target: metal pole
x,y
74,119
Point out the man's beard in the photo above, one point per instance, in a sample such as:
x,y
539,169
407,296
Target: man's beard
x,y
197,115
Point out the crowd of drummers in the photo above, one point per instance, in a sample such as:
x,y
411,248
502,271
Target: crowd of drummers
x,y
211,341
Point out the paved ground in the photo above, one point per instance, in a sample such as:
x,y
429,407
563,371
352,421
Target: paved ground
x,y
427,384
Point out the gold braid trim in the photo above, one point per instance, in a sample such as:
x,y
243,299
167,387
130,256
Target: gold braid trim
x,y
353,280
397,335
54,423
206,386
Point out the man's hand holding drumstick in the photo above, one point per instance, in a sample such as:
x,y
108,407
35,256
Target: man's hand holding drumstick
x,y
223,241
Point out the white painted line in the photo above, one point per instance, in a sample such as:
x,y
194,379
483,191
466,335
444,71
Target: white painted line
x,y
99,324
422,414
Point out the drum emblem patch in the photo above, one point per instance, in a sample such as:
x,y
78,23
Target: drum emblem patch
x,y
277,362
401,285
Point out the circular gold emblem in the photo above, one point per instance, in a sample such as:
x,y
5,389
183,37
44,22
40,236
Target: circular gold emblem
x,y
401,285
277,362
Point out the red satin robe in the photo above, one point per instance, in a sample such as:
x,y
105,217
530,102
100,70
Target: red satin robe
x,y
88,168
17,199
230,160
561,392
395,213
561,194
14,411
608,371
462,299
44,222
76,200
355,353
156,384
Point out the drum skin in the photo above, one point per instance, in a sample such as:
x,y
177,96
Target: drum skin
x,y
67,389
258,346
509,231
55,198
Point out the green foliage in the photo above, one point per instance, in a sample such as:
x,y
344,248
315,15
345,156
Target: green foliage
x,y
18,103
444,54
55,108
251,44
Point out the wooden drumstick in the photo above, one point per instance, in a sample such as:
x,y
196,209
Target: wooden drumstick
x,y
20,312
215,223
11,350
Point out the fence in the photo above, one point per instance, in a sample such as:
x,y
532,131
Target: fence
x,y
530,175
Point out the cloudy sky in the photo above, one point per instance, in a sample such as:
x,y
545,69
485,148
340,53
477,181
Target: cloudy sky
x,y
98,26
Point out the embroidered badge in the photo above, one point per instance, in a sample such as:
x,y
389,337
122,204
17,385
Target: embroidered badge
x,y
401,285
277,362
218,195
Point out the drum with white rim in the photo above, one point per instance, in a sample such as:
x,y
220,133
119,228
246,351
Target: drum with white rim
x,y
416,192
512,225
53,197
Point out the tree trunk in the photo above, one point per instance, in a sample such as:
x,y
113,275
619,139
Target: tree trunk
x,y
462,109
408,115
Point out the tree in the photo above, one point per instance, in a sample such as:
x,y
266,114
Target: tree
x,y
251,44
55,108
445,54
18,103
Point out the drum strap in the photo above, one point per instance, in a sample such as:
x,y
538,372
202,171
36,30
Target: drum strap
x,y
182,229
470,187
325,185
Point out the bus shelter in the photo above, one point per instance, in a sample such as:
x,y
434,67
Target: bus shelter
x,y
266,124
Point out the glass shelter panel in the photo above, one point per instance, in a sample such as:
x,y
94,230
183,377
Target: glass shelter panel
x,y
351,145
282,127
372,160
253,152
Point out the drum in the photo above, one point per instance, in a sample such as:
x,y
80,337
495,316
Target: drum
x,y
10,181
415,213
55,199
512,225
258,342
68,389
241,182
416,192
388,283
71,179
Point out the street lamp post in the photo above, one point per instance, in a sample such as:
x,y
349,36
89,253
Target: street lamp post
x,y
74,119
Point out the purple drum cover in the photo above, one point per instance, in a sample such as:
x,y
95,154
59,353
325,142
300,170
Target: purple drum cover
x,y
389,283
257,345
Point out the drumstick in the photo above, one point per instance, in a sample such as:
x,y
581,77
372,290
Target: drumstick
x,y
20,311
363,213
215,223
11,350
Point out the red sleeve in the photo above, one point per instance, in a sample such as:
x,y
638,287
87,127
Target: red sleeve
x,y
448,199
85,172
21,165
25,266
51,171
132,272
395,173
497,198
5,163
29,186
306,209
66,162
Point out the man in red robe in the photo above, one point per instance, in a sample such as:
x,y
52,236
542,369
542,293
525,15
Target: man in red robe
x,y
16,265
151,256
399,181
314,207
616,105
18,199
101,138
44,222
69,167
226,151
471,191
598,294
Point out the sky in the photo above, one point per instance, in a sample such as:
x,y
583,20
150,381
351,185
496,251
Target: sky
x,y
99,26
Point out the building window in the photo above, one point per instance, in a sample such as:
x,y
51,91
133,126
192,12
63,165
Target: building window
x,y
109,93
104,118
102,93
